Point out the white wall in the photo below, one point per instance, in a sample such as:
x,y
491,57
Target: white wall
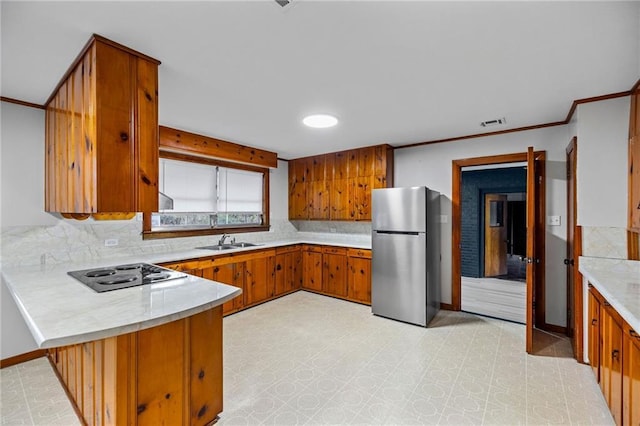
x,y
603,135
430,165
26,228
22,203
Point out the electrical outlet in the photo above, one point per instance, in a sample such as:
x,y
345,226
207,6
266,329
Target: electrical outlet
x,y
444,218
111,242
553,220
333,230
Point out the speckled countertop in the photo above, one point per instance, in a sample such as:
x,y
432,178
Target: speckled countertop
x,y
619,282
60,310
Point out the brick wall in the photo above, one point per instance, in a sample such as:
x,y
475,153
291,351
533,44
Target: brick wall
x,y
474,185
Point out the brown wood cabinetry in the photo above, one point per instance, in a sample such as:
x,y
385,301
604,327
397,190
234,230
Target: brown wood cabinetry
x,y
634,162
614,354
611,360
359,276
334,271
595,343
312,268
231,273
288,269
266,274
259,276
101,133
168,374
337,186
631,376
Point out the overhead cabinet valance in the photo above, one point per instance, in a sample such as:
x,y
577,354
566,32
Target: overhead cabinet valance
x,y
175,140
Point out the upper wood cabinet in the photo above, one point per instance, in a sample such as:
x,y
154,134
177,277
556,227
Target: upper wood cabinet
x,y
102,133
337,186
634,162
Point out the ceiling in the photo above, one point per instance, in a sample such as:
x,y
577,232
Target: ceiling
x,y
395,72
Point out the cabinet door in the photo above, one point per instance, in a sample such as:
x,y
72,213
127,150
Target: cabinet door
x,y
361,198
232,274
359,279
334,273
594,334
281,274
298,190
340,201
259,279
611,370
631,377
318,196
312,270
297,269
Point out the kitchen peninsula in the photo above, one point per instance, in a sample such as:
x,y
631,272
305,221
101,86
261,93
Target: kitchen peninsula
x,y
150,354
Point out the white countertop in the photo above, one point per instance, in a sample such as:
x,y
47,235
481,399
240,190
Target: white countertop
x,y
619,282
60,310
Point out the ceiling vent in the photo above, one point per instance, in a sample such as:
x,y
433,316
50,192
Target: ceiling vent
x,y
494,122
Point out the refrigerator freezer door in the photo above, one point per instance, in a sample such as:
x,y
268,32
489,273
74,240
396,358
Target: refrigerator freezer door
x,y
399,209
399,277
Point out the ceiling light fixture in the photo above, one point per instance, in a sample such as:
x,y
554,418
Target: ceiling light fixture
x,y
320,121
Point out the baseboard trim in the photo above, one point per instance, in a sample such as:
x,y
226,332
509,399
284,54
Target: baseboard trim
x,y
447,307
18,359
554,328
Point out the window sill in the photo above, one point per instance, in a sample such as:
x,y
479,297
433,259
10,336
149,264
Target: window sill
x,y
179,233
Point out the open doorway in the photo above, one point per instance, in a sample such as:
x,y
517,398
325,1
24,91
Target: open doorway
x,y
535,249
493,241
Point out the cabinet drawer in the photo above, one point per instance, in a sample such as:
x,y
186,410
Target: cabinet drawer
x,y
312,248
287,249
335,250
363,253
187,266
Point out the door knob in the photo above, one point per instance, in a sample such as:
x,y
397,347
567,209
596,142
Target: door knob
x,y
569,262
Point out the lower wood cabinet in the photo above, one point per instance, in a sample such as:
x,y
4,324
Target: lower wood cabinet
x,y
593,349
259,278
288,269
359,276
334,271
630,376
170,374
614,354
611,361
312,268
265,274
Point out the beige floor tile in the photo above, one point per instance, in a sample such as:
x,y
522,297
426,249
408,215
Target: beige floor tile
x,y
310,359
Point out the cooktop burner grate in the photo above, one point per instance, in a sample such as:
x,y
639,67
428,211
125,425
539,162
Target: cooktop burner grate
x,y
124,276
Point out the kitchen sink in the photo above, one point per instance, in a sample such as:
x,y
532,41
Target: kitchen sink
x,y
240,245
218,247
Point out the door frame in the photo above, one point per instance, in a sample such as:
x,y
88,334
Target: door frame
x,y
576,303
456,233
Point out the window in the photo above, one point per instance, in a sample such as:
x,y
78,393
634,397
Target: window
x,y
200,196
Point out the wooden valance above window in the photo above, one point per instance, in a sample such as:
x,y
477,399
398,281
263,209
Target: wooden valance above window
x,y
175,140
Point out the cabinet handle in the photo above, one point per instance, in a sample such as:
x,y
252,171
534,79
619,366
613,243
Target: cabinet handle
x,y
607,303
615,354
633,333
594,321
124,136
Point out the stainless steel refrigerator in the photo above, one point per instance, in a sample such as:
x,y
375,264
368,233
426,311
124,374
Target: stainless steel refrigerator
x,y
406,254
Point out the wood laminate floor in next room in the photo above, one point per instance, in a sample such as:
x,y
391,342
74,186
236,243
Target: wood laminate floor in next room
x,y
311,359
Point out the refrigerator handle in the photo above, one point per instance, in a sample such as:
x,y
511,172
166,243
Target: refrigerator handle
x,y
398,233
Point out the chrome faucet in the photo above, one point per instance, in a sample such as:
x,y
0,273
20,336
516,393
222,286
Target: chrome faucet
x,y
224,237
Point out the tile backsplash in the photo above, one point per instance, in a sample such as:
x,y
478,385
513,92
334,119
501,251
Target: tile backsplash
x,y
80,241
70,240
607,242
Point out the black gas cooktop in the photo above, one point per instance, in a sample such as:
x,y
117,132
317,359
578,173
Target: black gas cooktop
x,y
124,276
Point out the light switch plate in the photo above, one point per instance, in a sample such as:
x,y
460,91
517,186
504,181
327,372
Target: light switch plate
x,y
111,242
553,220
444,218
